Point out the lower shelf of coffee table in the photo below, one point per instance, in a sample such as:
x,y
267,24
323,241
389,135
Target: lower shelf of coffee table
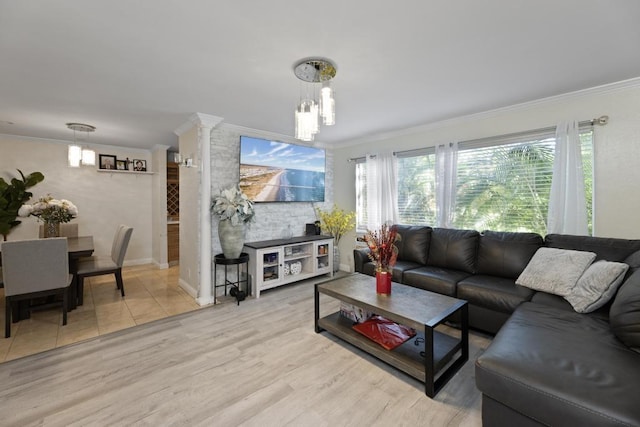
x,y
405,357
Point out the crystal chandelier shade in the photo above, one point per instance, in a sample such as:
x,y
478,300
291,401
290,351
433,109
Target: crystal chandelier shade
x,y
309,111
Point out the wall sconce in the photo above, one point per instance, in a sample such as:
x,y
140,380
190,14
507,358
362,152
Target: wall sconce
x,y
77,155
186,161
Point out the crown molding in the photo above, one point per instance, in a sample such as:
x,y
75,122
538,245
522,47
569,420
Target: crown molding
x,y
597,90
198,119
91,145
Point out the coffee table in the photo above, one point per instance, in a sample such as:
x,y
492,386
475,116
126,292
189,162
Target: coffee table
x,y
409,306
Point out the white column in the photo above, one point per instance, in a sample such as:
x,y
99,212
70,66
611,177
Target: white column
x,y
204,124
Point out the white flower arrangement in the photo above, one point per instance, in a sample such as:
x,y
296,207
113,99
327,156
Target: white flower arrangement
x,y
49,209
233,204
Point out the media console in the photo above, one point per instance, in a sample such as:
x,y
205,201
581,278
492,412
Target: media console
x,y
277,262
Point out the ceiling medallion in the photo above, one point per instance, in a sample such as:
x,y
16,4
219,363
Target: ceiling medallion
x,y
81,127
315,70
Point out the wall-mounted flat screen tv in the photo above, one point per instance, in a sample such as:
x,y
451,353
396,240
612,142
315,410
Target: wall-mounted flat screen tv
x,y
272,171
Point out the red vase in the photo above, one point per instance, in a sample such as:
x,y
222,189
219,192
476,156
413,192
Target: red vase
x,y
383,282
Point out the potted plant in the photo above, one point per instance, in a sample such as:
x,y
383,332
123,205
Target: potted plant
x,y
234,209
336,223
12,196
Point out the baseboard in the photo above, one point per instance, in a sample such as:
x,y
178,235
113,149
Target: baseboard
x,y
141,261
188,289
162,266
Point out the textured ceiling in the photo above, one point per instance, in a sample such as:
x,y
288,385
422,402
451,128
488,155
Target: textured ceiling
x,y
138,69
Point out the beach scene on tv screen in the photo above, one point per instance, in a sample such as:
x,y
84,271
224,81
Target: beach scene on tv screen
x,y
272,171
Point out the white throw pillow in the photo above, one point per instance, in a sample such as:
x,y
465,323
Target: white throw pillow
x,y
555,271
596,286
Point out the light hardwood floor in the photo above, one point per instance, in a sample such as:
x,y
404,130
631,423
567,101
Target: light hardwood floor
x,y
151,294
257,364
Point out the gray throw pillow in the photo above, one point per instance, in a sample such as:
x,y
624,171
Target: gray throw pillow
x,y
597,286
555,271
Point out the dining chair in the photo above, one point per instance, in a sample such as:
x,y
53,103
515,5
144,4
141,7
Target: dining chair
x,y
66,230
98,266
34,269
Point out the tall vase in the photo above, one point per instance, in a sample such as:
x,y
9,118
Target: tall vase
x,y
383,282
336,258
231,238
51,229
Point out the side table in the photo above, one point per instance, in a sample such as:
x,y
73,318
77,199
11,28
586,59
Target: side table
x,y
242,276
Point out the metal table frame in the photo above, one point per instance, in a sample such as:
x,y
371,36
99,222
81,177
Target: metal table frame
x,y
221,260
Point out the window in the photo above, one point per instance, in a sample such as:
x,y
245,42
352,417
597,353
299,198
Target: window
x,y
505,185
502,183
417,188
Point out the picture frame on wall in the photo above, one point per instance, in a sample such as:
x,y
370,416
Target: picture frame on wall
x,y
121,165
107,161
139,165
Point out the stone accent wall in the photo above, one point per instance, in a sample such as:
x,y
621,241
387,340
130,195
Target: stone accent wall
x,y
272,220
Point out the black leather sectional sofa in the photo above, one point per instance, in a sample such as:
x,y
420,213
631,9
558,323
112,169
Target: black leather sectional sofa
x,y
547,364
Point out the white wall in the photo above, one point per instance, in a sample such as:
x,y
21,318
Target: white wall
x,y
104,200
616,153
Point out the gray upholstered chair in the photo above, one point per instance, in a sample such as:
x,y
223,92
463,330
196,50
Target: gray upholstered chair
x,y
98,266
66,230
34,269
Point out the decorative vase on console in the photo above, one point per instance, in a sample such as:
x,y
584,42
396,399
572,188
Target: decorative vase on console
x,y
336,223
384,252
234,210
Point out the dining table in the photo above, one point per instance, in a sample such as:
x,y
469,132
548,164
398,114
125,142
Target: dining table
x,y
77,247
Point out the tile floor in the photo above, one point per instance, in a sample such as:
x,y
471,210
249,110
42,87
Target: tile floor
x,y
151,294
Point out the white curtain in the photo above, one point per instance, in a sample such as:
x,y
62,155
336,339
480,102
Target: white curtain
x,y
446,170
382,190
567,203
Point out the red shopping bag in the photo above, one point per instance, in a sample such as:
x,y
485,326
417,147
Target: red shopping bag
x,y
385,332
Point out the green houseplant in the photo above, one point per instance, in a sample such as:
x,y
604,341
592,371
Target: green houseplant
x,y
13,195
234,209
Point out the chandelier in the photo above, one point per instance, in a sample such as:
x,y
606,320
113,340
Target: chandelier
x,y
78,155
312,108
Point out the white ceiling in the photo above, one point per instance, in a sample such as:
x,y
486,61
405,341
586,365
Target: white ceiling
x,y
138,69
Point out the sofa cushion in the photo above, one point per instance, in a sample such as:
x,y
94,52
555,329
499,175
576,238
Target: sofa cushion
x,y
611,249
561,303
624,315
453,249
434,279
633,261
496,293
413,245
398,269
506,254
555,271
597,285
561,368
